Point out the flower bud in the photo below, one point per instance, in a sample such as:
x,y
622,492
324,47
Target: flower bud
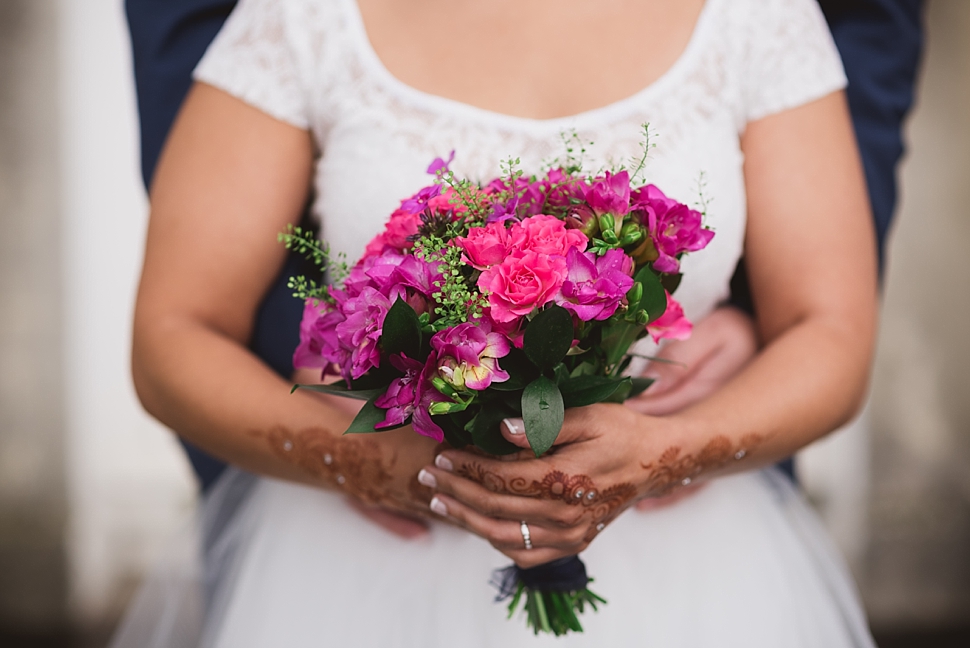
x,y
635,294
609,236
442,386
607,223
643,317
631,237
439,407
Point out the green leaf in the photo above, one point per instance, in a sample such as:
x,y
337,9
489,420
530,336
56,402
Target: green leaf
x,y
543,412
454,430
548,337
617,338
639,385
369,416
654,299
401,332
622,392
520,370
340,389
586,390
485,431
671,281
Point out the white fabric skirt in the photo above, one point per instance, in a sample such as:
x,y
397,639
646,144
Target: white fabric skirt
x,y
744,562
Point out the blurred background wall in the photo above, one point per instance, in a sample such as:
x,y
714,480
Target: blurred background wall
x,y
90,487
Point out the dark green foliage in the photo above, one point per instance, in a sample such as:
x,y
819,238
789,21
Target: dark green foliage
x,y
543,414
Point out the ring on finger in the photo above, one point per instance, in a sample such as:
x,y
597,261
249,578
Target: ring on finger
x,y
526,535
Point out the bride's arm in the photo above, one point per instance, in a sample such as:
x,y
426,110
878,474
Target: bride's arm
x,y
231,178
810,251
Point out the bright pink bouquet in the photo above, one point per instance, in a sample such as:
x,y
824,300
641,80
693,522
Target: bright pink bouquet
x,y
519,298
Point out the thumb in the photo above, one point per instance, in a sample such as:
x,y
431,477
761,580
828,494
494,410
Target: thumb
x,y
513,429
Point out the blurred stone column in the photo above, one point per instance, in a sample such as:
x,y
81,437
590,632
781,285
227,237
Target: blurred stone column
x,y
32,485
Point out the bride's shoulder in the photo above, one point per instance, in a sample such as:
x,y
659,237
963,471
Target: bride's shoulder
x,y
783,50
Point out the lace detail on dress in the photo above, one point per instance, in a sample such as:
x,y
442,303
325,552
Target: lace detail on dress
x,y
791,57
253,58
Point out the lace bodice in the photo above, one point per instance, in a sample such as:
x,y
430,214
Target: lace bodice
x,y
310,63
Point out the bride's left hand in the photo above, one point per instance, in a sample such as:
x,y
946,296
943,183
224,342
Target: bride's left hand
x,y
566,497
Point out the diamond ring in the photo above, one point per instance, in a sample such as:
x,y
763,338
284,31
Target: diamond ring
x,y
526,536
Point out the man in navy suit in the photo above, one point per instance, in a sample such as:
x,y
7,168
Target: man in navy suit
x,y
880,41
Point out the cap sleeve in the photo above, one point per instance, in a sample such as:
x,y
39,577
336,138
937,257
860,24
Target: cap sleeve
x,y
253,58
791,59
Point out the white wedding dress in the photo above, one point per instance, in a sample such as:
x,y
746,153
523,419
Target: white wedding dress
x,y
744,562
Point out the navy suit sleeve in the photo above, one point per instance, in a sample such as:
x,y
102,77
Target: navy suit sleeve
x,y
168,38
881,43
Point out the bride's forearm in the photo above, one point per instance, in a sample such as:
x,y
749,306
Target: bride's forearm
x,y
768,411
219,397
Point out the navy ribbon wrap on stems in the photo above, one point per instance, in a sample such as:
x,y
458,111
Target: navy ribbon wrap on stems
x,y
553,594
563,575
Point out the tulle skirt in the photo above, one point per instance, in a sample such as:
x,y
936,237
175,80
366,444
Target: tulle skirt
x,y
744,562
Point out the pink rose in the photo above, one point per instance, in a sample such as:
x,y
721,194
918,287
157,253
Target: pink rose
x,y
672,324
521,283
485,246
545,235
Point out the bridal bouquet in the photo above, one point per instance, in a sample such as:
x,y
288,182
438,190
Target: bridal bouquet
x,y
517,298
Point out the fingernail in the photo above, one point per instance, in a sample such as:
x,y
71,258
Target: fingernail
x,y
444,463
438,506
427,479
514,426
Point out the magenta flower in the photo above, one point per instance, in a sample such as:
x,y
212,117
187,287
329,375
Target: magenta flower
x,y
416,203
562,190
545,235
319,344
610,194
362,330
425,397
468,356
526,199
440,165
672,324
485,246
413,280
674,227
595,286
397,234
400,399
521,283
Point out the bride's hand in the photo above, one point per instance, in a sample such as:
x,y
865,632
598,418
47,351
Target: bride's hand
x,y
390,498
598,468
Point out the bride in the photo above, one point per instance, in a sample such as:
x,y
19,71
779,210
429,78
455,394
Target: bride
x,y
350,100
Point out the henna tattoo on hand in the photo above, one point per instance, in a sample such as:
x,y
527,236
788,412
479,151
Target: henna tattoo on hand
x,y
356,467
671,470
600,506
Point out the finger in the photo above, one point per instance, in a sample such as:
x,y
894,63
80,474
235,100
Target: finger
x,y
513,429
553,514
506,535
400,525
575,428
527,559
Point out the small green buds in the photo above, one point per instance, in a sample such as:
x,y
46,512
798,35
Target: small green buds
x,y
635,293
607,223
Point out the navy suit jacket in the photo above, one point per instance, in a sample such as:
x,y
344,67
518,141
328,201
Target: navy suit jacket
x,y
880,42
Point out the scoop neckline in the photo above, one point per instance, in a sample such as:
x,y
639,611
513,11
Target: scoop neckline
x,y
442,104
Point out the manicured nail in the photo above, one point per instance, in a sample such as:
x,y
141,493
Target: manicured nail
x,y
444,463
438,506
427,479
514,426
